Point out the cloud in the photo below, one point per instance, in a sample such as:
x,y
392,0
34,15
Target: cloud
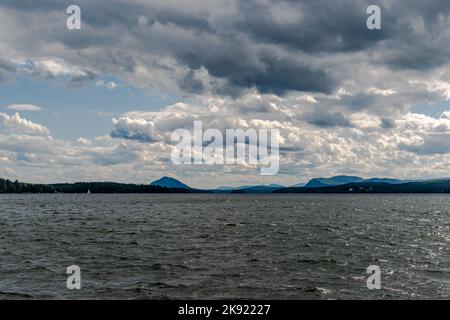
x,y
16,124
340,94
134,129
229,47
58,69
445,115
361,143
430,144
414,146
271,46
7,70
23,107
328,120
190,84
427,136
111,85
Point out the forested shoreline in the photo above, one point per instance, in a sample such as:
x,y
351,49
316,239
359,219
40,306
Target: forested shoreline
x,y
8,186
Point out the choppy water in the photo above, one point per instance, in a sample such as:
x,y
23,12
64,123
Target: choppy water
x,y
225,246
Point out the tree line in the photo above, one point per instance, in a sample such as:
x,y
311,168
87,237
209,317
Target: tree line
x,y
8,186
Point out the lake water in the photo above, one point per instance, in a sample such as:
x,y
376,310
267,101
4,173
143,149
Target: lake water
x,y
203,246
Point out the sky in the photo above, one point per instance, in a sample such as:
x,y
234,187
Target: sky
x,y
100,103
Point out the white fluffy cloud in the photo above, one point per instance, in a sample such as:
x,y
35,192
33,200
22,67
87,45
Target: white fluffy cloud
x,y
134,129
139,147
28,149
110,85
366,146
16,124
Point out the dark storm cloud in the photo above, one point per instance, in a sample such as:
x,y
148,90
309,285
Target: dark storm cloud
x,y
269,72
232,59
327,120
421,36
322,25
36,5
284,74
190,84
267,45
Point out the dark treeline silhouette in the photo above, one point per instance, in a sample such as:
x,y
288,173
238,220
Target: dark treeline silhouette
x,y
111,187
7,186
431,186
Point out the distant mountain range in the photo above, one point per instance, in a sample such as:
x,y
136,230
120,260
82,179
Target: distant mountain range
x,y
333,181
168,182
274,185
300,184
339,180
337,184
427,186
250,189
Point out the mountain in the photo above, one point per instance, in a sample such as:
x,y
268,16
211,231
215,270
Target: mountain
x,y
340,180
261,189
427,186
224,188
250,189
313,183
333,181
390,181
301,184
169,182
273,185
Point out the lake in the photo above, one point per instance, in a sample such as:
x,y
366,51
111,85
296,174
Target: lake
x,y
206,246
